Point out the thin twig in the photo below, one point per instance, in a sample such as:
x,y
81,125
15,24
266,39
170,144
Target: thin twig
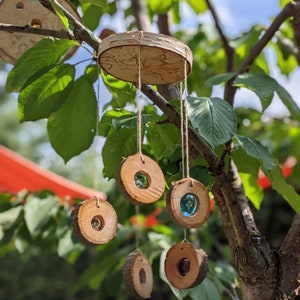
x,y
61,34
81,33
226,45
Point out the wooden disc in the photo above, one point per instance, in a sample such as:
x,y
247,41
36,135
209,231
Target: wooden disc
x,y
137,275
194,188
95,221
185,266
144,166
26,12
162,58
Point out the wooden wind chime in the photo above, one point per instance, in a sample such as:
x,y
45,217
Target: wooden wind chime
x,y
140,58
28,13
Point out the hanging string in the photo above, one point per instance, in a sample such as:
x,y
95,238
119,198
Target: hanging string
x,y
186,122
139,108
182,134
137,234
96,171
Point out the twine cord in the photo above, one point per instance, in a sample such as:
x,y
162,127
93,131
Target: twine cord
x,y
139,108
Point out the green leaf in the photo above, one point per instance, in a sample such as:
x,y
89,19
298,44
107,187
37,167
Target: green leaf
x,y
45,53
46,94
252,190
66,245
92,73
262,85
61,15
119,144
288,101
220,78
163,139
206,290
284,2
284,189
255,149
71,128
106,122
212,118
197,6
122,91
37,212
130,120
248,168
158,6
101,3
265,86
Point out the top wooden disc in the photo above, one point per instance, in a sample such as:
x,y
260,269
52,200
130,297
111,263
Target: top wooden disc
x,y
26,12
162,58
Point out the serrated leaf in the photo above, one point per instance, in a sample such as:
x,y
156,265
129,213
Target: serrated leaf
x,y
46,94
213,119
219,79
288,101
262,85
45,53
119,144
284,189
71,128
37,212
258,151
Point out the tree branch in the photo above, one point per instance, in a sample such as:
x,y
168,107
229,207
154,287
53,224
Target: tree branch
x,y
288,11
81,33
60,34
289,255
140,13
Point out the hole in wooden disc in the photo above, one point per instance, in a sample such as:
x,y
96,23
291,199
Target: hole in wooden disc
x,y
97,223
188,204
141,180
19,5
142,276
184,266
36,23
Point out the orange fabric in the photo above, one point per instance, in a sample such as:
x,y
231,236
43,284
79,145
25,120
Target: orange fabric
x,y
18,173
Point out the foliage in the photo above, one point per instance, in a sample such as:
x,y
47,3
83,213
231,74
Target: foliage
x,y
49,87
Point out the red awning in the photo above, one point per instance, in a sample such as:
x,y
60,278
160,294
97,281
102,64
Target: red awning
x,y
18,173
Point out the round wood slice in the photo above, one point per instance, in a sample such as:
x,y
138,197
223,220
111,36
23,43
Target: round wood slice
x,y
185,266
137,275
95,221
26,12
137,164
175,194
162,58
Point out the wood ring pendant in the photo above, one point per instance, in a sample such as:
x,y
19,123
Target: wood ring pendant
x,y
185,266
28,13
161,57
137,275
95,221
140,179
188,203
